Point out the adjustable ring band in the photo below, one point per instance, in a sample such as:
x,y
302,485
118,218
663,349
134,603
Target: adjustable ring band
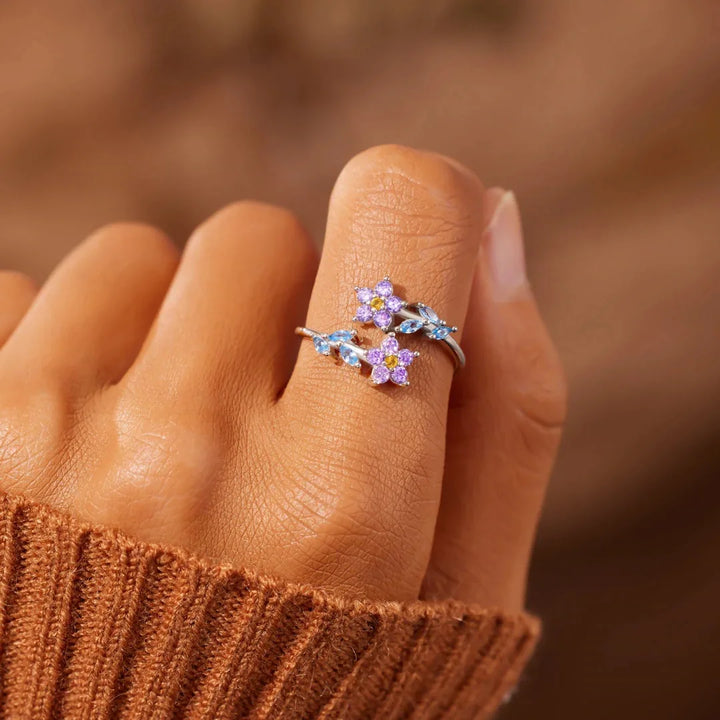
x,y
380,306
389,362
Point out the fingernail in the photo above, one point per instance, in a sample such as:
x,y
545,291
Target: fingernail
x,y
505,251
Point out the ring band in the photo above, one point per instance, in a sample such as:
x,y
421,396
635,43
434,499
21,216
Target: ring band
x,y
380,306
389,362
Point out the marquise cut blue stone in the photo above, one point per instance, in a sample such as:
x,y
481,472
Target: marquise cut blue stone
x,y
429,314
321,345
349,356
440,333
409,326
341,336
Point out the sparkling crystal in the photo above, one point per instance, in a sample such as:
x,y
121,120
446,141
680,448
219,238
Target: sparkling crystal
x,y
429,314
383,319
391,362
364,294
349,356
341,336
321,345
384,288
406,357
399,376
364,314
377,303
409,326
380,374
375,356
394,304
440,333
390,345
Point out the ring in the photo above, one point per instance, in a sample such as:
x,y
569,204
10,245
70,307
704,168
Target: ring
x,y
380,306
389,362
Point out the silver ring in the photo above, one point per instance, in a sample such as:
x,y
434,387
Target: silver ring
x,y
389,362
380,306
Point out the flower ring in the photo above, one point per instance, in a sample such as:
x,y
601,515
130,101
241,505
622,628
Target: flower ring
x,y
380,306
389,362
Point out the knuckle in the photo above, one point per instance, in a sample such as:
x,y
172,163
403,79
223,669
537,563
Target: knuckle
x,y
540,410
279,229
243,211
142,247
543,396
418,166
400,195
534,377
130,236
161,471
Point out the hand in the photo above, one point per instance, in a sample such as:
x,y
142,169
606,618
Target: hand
x,y
165,396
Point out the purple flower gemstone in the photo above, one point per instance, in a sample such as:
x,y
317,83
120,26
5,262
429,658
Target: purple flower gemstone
x,y
406,357
364,294
384,288
380,374
364,313
382,319
399,375
394,304
390,345
389,362
375,356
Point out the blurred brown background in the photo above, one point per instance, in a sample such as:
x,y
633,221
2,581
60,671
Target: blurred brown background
x,y
602,115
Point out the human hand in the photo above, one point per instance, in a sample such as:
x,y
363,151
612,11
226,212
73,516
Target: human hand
x,y
166,396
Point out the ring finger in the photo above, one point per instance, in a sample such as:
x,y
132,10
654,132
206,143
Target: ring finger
x,y
416,217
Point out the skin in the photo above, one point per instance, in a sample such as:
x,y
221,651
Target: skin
x,y
168,396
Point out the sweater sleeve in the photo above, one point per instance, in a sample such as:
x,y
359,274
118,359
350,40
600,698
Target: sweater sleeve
x,y
94,624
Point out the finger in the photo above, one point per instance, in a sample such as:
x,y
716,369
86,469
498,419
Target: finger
x,y
17,291
505,421
89,320
219,352
227,323
416,217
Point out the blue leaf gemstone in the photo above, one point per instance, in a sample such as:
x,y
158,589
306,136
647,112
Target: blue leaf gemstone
x,y
440,332
349,356
341,336
409,326
429,314
321,345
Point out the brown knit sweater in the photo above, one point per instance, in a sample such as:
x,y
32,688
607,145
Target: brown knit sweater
x,y
97,625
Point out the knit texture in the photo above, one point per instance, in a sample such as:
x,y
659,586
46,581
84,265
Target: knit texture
x,y
94,624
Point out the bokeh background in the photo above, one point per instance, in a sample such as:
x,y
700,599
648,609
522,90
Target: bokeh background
x,y
602,115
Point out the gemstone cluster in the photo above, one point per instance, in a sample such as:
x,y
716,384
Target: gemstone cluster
x,y
389,362
342,342
378,304
435,328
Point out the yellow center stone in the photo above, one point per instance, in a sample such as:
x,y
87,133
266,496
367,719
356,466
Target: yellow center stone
x,y
377,303
391,361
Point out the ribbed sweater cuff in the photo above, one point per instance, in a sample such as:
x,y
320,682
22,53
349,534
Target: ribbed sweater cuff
x,y
94,624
